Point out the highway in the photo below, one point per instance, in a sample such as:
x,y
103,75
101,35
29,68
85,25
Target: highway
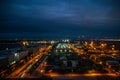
x,y
22,71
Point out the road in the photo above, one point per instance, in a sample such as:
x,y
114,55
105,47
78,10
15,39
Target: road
x,y
39,71
21,72
73,76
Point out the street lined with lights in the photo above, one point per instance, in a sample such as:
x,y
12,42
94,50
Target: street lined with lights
x,y
22,71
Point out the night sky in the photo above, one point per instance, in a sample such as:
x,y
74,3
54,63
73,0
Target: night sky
x,y
46,19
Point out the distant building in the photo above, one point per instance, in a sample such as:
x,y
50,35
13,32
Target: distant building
x,y
62,48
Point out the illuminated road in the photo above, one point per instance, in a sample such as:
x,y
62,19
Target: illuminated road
x,y
40,68
93,76
21,72
87,74
38,72
24,72
22,69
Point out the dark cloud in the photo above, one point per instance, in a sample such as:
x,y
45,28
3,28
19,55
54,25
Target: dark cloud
x,y
60,17
114,6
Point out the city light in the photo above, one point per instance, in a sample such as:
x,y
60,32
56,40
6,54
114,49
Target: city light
x,y
72,59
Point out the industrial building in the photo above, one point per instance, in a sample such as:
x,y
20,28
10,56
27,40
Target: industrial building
x,y
9,57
